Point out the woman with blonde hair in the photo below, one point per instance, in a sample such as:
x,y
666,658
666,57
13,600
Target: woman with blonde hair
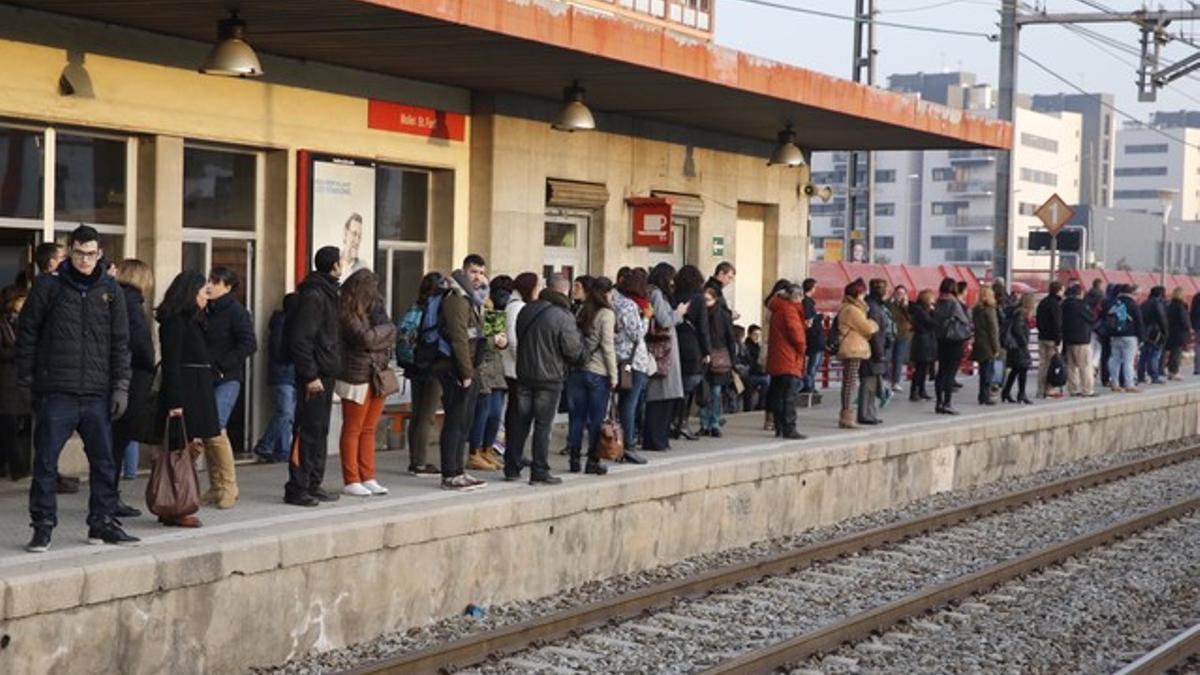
x,y
986,348
137,283
855,329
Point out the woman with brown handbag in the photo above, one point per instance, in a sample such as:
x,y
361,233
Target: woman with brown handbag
x,y
591,385
187,386
366,380
721,342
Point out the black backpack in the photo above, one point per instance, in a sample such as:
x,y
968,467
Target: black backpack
x,y
1056,372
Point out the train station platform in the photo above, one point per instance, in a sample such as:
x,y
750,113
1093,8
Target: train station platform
x,y
265,582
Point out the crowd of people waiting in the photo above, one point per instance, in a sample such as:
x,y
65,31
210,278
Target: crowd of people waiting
x,y
639,355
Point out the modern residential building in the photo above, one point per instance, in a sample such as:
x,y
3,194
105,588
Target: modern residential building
x,y
1128,240
1097,141
1151,158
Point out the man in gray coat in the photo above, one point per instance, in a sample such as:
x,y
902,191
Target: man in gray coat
x,y
548,344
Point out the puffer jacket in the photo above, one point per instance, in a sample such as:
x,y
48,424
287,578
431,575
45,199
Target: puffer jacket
x,y
987,334
230,336
311,331
73,335
924,344
855,330
548,342
1077,322
462,319
786,343
14,400
365,345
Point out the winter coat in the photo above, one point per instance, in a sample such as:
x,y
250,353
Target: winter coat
x,y
73,335
693,335
311,331
876,364
948,309
598,346
1017,355
987,334
14,400
462,321
139,418
815,336
1077,322
901,317
280,370
1050,319
752,355
924,343
1179,333
786,343
855,330
630,337
366,345
230,335
1194,312
509,356
549,343
720,335
669,387
188,381
1154,321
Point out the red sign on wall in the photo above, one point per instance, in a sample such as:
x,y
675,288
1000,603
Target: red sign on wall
x,y
651,221
415,120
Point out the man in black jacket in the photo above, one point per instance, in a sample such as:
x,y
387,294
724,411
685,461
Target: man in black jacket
x,y
814,336
1049,325
73,353
312,337
548,345
229,333
873,369
1077,320
1194,317
1154,319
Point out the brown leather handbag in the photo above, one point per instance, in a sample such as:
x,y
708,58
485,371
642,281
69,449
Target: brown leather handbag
x,y
612,437
720,362
174,487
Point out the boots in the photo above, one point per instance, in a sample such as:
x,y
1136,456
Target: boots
x,y
846,419
574,459
222,477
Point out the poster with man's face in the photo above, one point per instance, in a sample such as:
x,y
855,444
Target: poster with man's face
x,y
343,212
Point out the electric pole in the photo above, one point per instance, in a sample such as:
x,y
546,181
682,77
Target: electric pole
x,y
862,71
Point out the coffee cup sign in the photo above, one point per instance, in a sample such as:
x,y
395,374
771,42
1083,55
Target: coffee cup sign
x,y
651,222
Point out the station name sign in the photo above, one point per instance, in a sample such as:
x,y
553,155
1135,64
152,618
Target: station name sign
x,y
415,120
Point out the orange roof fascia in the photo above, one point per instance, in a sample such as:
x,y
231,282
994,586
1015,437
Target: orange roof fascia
x,y
644,44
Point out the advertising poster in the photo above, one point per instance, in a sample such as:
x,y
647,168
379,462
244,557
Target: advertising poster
x,y
343,211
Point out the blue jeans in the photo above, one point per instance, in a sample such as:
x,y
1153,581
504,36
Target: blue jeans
x,y
1150,364
489,410
1120,361
756,392
627,402
588,393
276,441
227,396
814,359
131,459
58,416
898,361
710,414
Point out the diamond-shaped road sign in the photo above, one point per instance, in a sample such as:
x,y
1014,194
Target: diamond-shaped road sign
x,y
1054,214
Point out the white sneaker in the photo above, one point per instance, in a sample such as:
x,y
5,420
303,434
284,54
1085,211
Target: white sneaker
x,y
374,486
356,490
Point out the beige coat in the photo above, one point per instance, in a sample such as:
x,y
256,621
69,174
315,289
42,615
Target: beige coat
x,y
855,329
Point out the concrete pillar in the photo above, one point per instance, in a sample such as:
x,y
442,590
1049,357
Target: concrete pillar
x,y
160,208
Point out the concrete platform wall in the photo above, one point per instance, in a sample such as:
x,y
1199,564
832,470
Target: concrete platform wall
x,y
264,599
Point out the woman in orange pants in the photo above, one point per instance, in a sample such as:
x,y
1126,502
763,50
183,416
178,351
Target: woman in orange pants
x,y
366,380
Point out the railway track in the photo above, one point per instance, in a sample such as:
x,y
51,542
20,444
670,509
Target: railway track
x,y
687,625
1172,653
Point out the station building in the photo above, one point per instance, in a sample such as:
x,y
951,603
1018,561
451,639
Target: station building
x,y
412,132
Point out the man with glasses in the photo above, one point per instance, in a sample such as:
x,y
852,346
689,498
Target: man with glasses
x,y
73,353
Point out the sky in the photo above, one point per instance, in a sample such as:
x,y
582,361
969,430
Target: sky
x,y
826,44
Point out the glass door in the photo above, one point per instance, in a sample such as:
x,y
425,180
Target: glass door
x,y
566,243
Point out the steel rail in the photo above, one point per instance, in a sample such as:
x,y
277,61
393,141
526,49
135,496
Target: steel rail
x,y
1166,656
476,648
858,626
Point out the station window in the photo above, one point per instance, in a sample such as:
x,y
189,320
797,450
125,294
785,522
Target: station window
x,y
887,242
89,179
21,166
219,189
402,227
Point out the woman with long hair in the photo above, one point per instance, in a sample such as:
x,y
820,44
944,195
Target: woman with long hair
x,y
367,336
666,383
694,344
16,406
631,303
721,337
489,405
1017,356
986,348
855,331
426,396
954,329
187,387
590,386
137,283
525,288
923,352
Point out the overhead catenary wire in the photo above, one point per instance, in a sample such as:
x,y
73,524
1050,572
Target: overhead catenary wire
x,y
991,37
1091,37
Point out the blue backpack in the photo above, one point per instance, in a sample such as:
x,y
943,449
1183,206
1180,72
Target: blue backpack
x,y
1117,318
431,343
408,332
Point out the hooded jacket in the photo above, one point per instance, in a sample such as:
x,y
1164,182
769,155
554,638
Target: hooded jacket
x,y
73,334
987,333
462,319
786,345
229,333
1076,322
548,342
366,345
312,330
1050,319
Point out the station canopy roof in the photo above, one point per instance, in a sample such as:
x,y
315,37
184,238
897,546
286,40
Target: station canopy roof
x,y
536,47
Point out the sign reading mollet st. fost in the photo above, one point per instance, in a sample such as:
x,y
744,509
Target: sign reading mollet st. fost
x,y
415,120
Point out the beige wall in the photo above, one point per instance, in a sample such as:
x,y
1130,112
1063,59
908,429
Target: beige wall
x,y
514,154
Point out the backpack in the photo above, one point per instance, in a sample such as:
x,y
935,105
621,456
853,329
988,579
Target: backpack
x,y
1056,372
1116,319
408,331
834,341
431,343
1008,321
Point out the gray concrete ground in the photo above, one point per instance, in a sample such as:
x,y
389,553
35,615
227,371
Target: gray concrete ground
x,y
261,486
